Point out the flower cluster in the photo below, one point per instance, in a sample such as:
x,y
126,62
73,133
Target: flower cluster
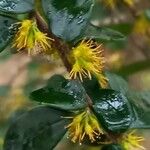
x,y
132,141
88,60
31,38
84,124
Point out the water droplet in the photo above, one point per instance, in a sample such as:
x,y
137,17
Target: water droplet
x,y
79,22
75,96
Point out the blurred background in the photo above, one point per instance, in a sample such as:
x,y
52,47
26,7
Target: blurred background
x,y
130,58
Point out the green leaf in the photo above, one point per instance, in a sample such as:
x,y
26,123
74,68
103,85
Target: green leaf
x,y
141,105
39,129
92,86
16,6
112,147
6,31
117,83
61,92
113,110
67,19
124,28
139,100
102,34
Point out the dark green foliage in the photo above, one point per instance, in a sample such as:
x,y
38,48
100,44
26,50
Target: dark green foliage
x,y
61,92
6,31
117,83
113,110
16,6
67,19
139,101
39,129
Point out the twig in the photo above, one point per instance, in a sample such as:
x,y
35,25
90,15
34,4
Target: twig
x,y
62,48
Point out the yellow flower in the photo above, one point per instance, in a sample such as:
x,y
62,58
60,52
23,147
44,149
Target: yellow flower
x,y
88,60
31,38
142,25
112,3
131,141
84,124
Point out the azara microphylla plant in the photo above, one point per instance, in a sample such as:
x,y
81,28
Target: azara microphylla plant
x,y
88,105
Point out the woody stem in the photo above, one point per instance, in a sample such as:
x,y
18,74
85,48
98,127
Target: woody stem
x,y
61,47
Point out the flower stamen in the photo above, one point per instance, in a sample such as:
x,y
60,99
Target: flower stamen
x,y
31,38
131,141
84,124
88,60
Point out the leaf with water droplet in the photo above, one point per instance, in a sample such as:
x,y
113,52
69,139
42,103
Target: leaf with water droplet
x,y
16,6
67,94
37,129
6,31
113,110
139,100
68,19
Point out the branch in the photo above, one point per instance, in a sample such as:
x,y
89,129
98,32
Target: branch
x,y
62,48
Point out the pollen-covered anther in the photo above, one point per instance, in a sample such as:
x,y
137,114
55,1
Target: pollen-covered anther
x,y
31,38
84,125
131,141
88,60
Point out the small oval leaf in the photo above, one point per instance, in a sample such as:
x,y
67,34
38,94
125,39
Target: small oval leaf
x,y
61,92
37,130
113,110
67,19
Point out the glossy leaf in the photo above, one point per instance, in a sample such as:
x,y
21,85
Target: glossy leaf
x,y
6,31
140,101
37,130
16,6
113,110
61,92
67,19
